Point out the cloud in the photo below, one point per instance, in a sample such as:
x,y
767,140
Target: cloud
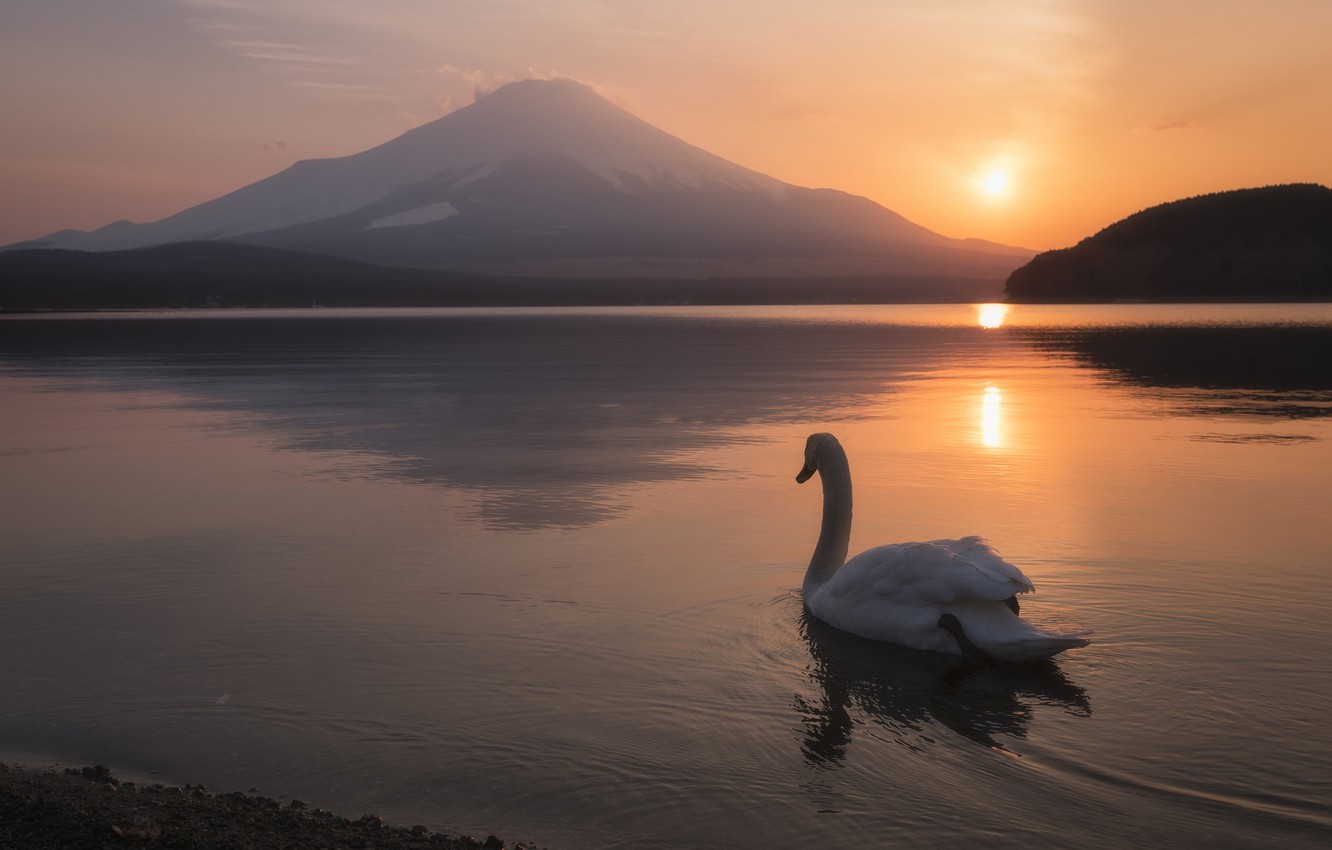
x,y
275,145
1169,125
481,83
300,56
295,46
1220,103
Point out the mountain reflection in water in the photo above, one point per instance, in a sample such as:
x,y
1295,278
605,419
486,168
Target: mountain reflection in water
x,y
545,418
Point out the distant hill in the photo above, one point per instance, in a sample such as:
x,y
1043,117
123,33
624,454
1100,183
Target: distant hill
x,y
548,179
1272,243
223,274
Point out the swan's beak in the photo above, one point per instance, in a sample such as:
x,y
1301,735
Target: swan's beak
x,y
805,474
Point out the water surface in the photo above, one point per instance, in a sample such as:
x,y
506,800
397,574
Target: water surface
x,y
536,572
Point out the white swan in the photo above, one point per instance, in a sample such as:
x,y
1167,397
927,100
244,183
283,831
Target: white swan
x,y
955,596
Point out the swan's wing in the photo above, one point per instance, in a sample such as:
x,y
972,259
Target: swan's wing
x,y
977,552
937,572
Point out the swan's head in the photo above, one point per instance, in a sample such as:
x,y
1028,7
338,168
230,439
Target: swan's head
x,y
814,449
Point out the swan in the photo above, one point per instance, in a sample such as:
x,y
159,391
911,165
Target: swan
x,y
954,596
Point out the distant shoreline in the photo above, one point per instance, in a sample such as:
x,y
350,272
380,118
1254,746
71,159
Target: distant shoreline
x,y
211,274
165,308
1235,299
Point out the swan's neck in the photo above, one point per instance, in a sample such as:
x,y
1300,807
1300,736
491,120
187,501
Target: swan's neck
x,y
835,534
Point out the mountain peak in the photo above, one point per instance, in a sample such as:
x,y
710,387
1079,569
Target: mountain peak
x,y
544,90
567,119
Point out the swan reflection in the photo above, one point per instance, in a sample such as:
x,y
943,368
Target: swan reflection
x,y
990,403
907,692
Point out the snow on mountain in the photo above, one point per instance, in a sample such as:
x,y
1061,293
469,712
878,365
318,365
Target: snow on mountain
x,y
420,215
539,170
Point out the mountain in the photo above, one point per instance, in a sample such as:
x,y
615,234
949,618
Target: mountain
x,y
548,178
1270,243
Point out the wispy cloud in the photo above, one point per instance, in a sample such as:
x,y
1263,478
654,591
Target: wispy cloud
x,y
1169,125
294,44
1050,50
300,56
483,83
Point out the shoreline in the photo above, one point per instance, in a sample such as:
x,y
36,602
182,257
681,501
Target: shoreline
x,y
90,809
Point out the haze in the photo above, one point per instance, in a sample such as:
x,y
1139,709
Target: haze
x,y
1032,123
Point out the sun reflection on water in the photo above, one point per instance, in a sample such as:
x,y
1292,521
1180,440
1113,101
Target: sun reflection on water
x,y
991,315
990,420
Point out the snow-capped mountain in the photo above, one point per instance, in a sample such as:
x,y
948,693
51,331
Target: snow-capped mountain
x,y
546,174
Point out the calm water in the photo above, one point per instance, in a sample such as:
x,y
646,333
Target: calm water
x,y
537,573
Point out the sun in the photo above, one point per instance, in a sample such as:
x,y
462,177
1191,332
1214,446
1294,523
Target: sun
x,y
995,183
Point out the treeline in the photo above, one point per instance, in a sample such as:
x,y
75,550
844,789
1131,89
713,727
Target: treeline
x,y
219,274
1272,243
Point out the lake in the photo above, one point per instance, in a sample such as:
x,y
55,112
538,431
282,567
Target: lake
x,y
537,572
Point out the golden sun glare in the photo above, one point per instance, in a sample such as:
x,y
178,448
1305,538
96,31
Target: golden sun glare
x,y
991,421
995,183
991,315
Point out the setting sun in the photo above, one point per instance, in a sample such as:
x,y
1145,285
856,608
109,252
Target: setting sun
x,y
995,183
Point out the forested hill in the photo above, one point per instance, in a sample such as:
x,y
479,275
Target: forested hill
x,y
223,274
1272,243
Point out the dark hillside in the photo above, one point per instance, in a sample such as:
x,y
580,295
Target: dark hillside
x,y
1273,243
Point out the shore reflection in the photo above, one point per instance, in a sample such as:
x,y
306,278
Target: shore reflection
x,y
1209,370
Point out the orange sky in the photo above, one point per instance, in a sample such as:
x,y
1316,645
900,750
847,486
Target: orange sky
x,y
1092,110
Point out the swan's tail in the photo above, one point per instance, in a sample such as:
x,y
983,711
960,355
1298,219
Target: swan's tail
x,y
992,627
1040,644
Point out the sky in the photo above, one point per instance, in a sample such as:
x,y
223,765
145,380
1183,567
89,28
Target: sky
x,y
1027,122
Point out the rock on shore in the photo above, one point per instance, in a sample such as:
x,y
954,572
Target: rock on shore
x,y
89,809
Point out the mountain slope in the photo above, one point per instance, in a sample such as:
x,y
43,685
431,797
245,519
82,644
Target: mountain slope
x,y
539,175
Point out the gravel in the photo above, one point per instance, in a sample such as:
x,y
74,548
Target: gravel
x,y
89,809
